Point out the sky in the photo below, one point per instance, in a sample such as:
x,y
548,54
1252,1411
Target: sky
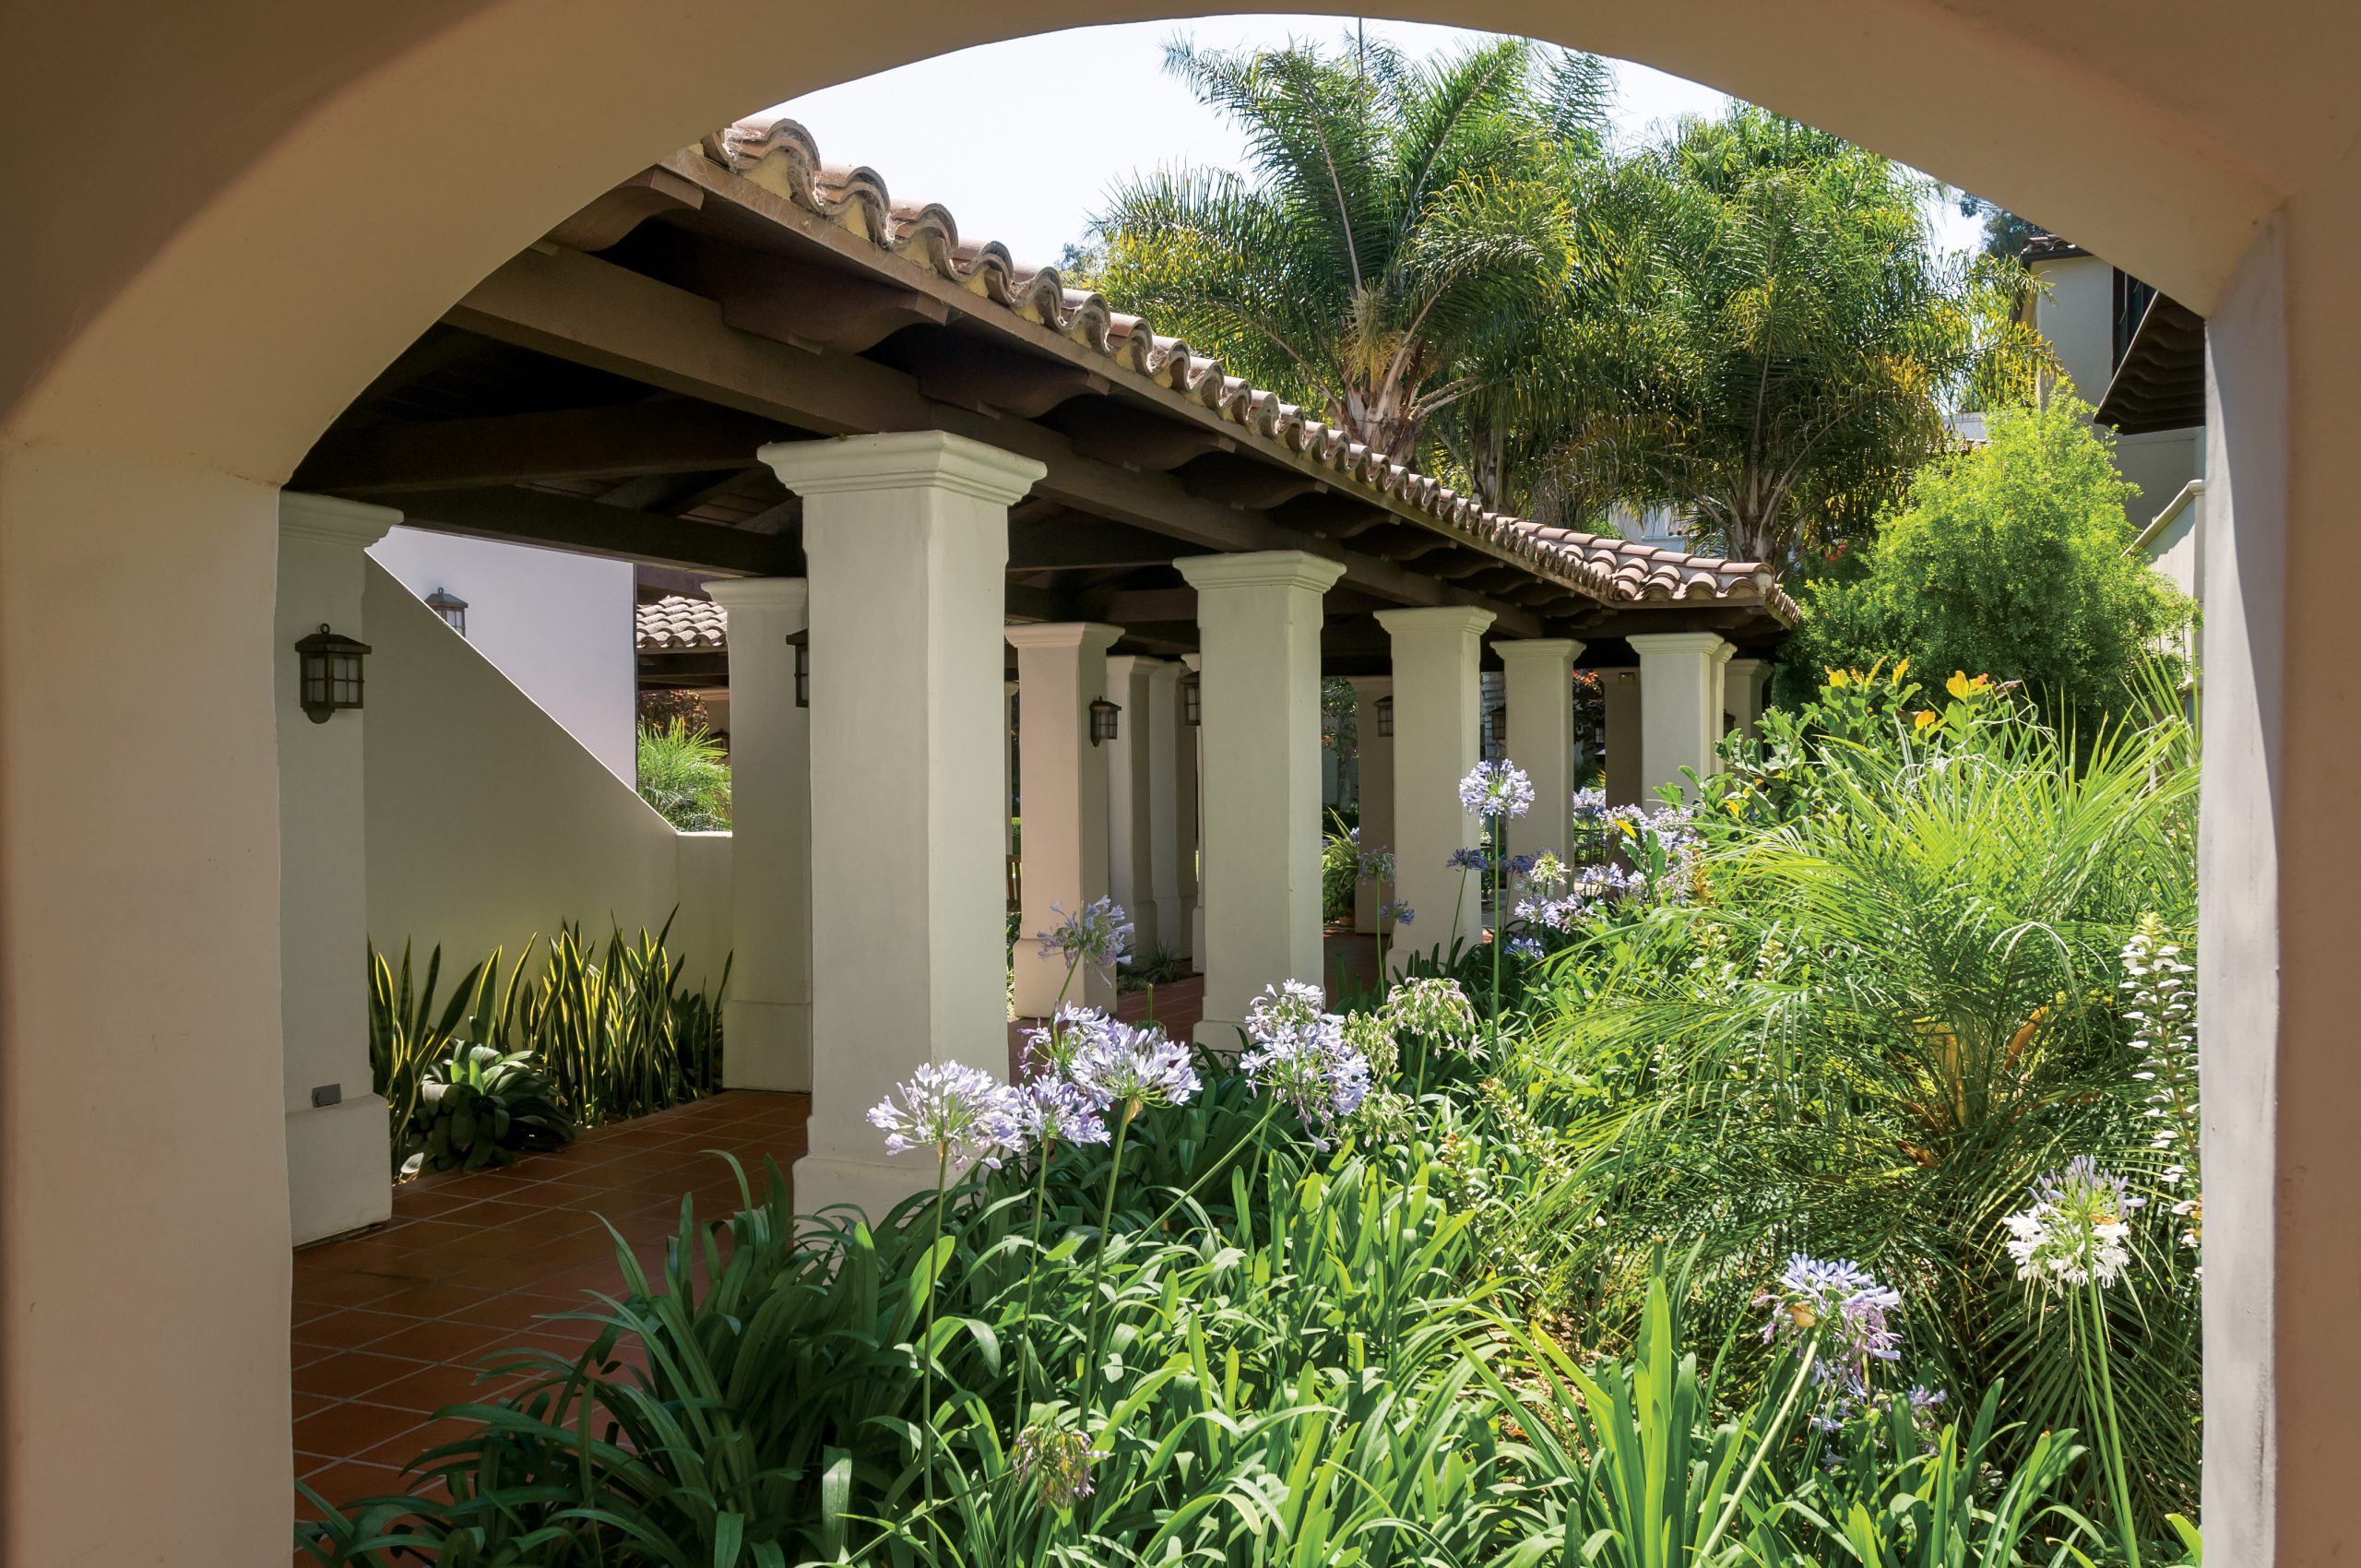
x,y
1022,140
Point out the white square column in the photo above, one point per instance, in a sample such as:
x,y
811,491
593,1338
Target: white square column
x,y
1158,701
767,1015
339,1155
1540,690
1061,669
907,540
1258,620
1130,830
1745,684
1681,706
1620,696
1438,736
1377,793
1188,820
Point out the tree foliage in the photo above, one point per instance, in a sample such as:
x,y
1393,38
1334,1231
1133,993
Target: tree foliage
x,y
1763,338
1400,241
2011,558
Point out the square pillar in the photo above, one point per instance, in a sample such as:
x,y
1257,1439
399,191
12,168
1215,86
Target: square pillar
x,y
1258,620
1061,669
1681,706
1008,770
767,1015
1539,681
1130,866
340,1164
1188,820
1438,736
1377,793
1745,683
1158,699
907,540
1620,695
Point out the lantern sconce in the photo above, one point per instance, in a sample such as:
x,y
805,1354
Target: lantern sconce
x,y
1193,700
1385,718
801,643
1102,721
327,673
1497,741
451,607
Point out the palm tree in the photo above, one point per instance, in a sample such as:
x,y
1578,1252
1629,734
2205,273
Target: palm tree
x,y
1760,335
1404,227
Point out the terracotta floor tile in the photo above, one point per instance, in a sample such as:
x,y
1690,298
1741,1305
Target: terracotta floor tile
x,y
348,1481
431,1298
345,1289
350,1328
430,1388
438,1339
400,1448
350,1374
341,1430
517,1309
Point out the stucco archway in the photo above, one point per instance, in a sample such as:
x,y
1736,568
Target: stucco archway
x,y
237,213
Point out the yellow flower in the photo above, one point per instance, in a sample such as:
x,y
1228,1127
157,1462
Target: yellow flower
x,y
1960,686
1835,679
1900,671
1924,717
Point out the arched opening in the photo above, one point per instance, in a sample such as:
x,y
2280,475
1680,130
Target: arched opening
x,y
184,338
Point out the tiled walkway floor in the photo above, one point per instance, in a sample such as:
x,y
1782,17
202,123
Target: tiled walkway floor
x,y
388,1325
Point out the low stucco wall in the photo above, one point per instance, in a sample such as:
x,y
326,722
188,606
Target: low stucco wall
x,y
488,822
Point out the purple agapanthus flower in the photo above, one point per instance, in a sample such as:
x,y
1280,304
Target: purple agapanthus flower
x,y
1300,1055
1843,1304
1468,860
964,1114
1527,947
1400,914
1496,788
1098,934
1051,1047
1133,1067
1050,1110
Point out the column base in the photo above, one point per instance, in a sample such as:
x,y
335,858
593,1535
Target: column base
x,y
339,1168
766,1045
873,1186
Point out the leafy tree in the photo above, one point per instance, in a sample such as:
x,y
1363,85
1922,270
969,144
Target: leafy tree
x,y
685,774
1402,238
2006,233
2009,559
1763,337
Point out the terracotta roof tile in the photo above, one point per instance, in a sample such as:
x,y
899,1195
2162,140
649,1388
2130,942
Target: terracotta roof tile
x,y
780,156
679,624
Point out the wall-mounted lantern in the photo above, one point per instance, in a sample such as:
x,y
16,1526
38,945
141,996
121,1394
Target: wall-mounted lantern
x,y
1385,718
451,607
1193,699
327,673
1496,744
801,643
1102,719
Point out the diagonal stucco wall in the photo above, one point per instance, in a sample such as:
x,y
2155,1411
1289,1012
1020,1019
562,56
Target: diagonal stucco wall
x,y
489,823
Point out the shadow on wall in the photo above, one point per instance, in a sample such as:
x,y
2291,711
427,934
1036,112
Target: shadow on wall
x,y
488,822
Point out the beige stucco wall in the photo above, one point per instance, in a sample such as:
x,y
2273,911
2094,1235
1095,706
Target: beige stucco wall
x,y
489,823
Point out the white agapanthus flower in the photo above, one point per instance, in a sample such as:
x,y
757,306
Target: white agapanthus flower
x,y
2078,1229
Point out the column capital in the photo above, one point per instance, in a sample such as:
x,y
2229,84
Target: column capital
x,y
1260,568
1511,649
1711,644
1140,663
910,460
1431,618
331,519
1089,637
759,593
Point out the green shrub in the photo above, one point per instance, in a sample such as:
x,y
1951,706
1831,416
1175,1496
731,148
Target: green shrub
x,y
478,1107
685,774
2013,559
610,1037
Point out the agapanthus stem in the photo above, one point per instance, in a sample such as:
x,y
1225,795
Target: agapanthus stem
x,y
1269,1109
1105,1237
1032,1276
2121,1483
1704,1553
926,1342
1500,928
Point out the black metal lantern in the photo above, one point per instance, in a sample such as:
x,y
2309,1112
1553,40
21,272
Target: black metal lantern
x,y
1102,719
801,643
451,607
1191,699
1496,742
1385,718
327,673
